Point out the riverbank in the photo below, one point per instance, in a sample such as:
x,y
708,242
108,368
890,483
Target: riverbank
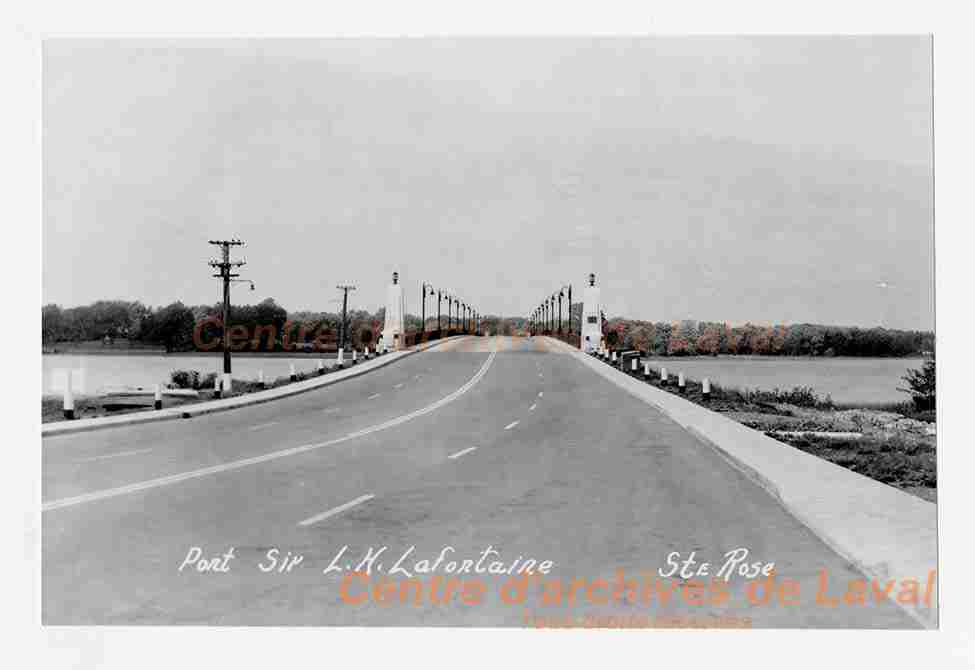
x,y
892,444
93,407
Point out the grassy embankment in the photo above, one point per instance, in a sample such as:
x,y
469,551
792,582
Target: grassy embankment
x,y
889,442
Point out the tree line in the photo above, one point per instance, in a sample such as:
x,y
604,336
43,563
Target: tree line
x,y
172,327
704,338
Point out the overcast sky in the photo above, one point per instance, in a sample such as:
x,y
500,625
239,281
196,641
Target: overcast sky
x,y
772,180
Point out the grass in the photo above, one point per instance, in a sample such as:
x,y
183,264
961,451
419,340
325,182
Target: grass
x,y
906,464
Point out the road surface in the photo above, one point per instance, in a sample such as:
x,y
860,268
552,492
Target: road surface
x,y
485,451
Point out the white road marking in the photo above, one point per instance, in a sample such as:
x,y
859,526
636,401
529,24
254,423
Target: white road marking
x,y
336,510
398,386
541,393
264,425
532,408
512,425
462,452
121,453
330,410
264,458
374,396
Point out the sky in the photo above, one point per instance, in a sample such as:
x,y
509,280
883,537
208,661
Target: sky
x,y
739,179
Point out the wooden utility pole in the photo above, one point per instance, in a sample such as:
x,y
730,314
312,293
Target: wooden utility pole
x,y
345,288
226,266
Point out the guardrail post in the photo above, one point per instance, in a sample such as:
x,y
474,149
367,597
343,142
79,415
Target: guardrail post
x,y
68,398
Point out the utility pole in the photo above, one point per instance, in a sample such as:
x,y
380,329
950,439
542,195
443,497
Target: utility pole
x,y
423,310
570,310
560,311
226,266
343,333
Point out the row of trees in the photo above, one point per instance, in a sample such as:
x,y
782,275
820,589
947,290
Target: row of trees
x,y
179,327
173,327
689,338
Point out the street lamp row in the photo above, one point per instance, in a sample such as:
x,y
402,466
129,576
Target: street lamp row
x,y
547,317
467,317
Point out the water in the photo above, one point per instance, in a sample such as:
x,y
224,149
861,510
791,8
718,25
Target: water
x,y
847,380
94,372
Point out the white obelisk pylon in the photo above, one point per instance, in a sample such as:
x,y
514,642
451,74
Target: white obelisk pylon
x,y
592,328
394,328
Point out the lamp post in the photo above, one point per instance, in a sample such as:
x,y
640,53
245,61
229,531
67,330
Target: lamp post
x,y
560,311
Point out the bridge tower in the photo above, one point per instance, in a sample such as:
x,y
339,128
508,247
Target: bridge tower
x,y
394,331
592,328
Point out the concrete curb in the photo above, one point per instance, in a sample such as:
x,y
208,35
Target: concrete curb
x,y
885,533
212,406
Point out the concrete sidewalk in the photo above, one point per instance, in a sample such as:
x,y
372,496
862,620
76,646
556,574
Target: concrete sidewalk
x,y
224,404
886,533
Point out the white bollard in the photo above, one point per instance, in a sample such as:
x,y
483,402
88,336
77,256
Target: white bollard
x,y
341,358
614,356
216,386
157,398
366,353
226,385
260,377
355,356
663,376
706,388
646,370
68,398
294,373
633,364
321,366
680,382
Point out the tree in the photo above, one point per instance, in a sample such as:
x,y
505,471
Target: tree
x,y
171,326
921,385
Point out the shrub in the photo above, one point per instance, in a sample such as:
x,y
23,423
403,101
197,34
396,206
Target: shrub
x,y
800,396
191,379
921,385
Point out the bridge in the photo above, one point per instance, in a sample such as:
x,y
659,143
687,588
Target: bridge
x,y
413,495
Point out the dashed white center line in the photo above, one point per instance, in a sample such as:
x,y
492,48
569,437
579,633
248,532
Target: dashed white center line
x,y
330,410
374,396
336,510
512,425
121,453
264,425
398,386
541,393
462,452
532,408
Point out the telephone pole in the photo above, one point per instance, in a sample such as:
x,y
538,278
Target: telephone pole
x,y
226,266
343,332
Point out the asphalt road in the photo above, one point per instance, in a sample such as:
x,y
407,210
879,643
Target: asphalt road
x,y
499,443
